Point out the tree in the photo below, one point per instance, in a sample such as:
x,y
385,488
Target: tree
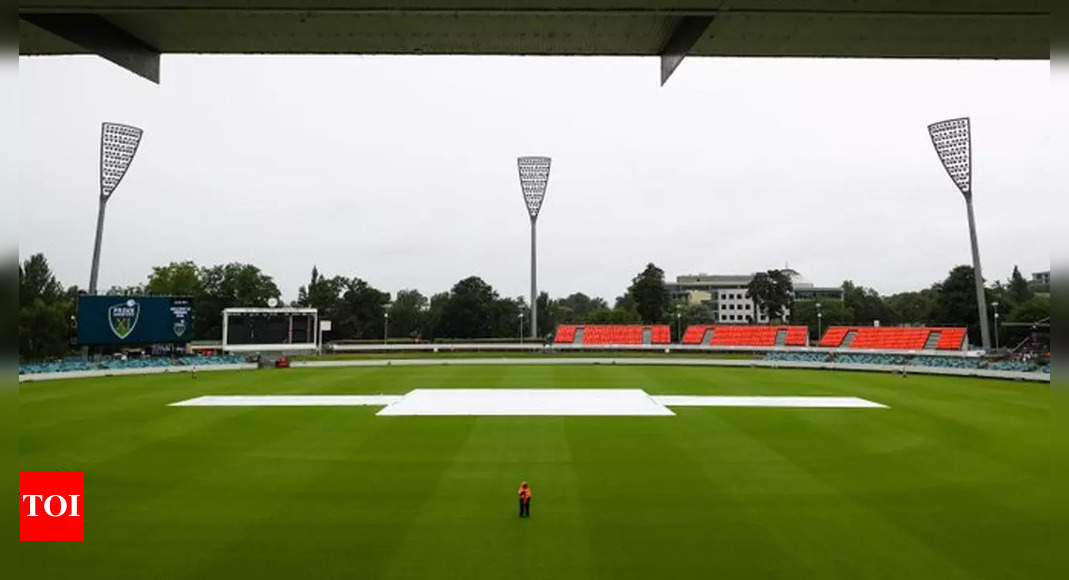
x,y
175,279
468,311
1034,310
325,295
433,321
833,312
866,304
1019,291
912,307
36,281
135,290
45,311
956,301
626,303
612,316
362,310
407,313
548,315
649,295
688,314
772,293
575,307
505,316
228,286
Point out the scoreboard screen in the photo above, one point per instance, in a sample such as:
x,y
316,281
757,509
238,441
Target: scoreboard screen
x,y
134,320
270,328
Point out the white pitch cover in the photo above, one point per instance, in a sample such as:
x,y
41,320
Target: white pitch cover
x,y
537,402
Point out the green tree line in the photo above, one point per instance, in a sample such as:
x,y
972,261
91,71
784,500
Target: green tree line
x,y
472,308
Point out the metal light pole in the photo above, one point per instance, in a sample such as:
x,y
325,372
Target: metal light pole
x,y
679,325
521,327
820,317
995,306
118,145
385,327
534,176
953,143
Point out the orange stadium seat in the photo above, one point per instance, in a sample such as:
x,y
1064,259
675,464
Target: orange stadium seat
x,y
614,333
950,339
565,333
695,333
834,336
893,338
745,335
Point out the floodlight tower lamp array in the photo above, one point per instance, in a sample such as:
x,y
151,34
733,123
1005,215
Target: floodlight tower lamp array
x,y
534,177
952,140
118,146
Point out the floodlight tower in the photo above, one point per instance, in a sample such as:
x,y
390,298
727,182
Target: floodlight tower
x,y
953,143
118,145
534,176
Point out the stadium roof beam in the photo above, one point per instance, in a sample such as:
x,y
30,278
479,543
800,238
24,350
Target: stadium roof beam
x,y
99,36
687,31
972,29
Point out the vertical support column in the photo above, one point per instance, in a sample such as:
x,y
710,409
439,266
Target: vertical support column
x,y
981,299
686,32
226,323
96,246
534,283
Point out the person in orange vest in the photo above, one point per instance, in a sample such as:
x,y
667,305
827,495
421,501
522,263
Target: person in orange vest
x,y
525,499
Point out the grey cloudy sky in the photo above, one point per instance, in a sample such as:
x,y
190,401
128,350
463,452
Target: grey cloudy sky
x,y
401,170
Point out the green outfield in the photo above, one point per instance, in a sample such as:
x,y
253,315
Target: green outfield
x,y
950,481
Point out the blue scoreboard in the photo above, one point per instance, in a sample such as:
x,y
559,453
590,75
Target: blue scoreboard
x,y
134,320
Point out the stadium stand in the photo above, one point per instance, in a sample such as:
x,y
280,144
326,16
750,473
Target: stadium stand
x,y
134,363
56,366
833,337
614,334
797,356
695,333
869,359
947,362
1009,365
565,333
746,335
951,339
894,338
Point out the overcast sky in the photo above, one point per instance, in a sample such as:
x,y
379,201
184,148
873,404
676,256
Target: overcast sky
x,y
401,170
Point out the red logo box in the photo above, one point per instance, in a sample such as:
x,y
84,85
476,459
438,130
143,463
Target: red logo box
x,y
52,506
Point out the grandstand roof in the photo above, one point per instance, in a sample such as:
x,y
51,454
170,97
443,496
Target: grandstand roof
x,y
126,30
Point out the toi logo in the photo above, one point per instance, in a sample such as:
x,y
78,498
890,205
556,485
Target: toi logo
x,y
51,506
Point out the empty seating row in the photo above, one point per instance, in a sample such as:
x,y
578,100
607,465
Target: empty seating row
x,y
894,338
869,359
565,333
797,356
746,335
614,334
1010,365
133,363
951,339
949,362
890,337
695,333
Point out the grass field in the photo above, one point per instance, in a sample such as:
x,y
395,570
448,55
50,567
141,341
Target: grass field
x,y
949,482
